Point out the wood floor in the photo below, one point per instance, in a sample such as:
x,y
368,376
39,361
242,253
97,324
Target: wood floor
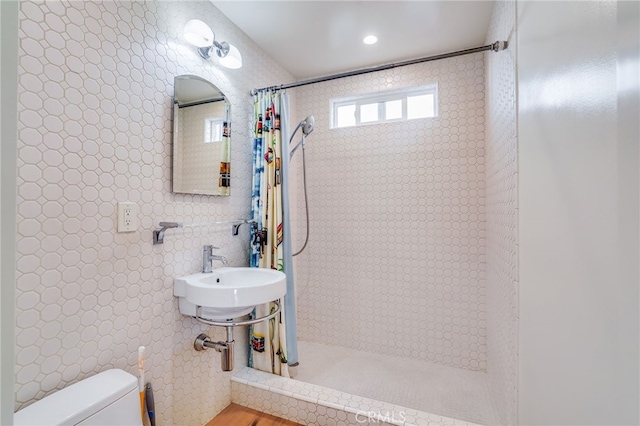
x,y
237,415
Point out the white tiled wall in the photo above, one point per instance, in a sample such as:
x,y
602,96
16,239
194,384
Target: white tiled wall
x,y
396,257
96,81
502,205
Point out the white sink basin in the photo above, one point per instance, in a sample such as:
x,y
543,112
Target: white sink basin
x,y
228,293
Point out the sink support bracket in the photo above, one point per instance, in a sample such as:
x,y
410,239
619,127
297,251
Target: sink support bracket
x,y
232,323
203,341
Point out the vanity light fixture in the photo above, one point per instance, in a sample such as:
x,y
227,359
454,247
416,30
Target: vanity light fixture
x,y
201,36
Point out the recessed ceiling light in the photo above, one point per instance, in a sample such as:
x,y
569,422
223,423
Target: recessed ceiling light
x,y
370,39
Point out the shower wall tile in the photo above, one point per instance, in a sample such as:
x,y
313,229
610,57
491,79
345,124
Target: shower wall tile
x,y
502,213
396,256
96,81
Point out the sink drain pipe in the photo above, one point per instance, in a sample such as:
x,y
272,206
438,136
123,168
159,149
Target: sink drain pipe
x,y
203,342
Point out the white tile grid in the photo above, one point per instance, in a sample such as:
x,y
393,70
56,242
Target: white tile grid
x,y
96,81
396,258
289,399
502,205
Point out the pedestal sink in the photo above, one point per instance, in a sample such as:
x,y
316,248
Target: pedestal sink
x,y
228,293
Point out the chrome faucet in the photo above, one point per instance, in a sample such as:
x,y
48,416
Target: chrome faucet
x,y
208,257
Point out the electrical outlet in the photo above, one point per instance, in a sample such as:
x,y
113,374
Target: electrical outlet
x,y
127,217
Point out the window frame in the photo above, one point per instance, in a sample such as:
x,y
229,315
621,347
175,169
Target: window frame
x,y
381,98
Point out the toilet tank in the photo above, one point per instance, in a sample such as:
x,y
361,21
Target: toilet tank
x,y
110,398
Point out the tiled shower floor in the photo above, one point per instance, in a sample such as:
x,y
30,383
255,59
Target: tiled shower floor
x,y
447,391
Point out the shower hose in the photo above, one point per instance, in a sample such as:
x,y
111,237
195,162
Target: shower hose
x,y
306,202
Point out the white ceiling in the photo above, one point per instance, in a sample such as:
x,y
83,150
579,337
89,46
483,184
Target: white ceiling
x,y
314,38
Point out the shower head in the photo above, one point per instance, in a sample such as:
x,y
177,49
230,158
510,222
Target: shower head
x,y
307,125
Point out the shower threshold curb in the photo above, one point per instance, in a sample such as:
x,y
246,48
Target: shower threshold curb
x,y
311,404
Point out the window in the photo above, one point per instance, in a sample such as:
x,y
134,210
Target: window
x,y
396,105
212,129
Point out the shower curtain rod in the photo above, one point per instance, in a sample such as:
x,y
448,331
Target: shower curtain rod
x,y
496,47
196,103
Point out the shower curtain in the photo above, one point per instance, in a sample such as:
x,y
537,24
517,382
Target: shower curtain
x,y
268,339
224,181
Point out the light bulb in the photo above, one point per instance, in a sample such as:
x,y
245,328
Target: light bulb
x,y
370,39
198,33
233,60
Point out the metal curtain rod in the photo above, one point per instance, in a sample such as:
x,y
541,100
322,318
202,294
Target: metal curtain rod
x,y
196,103
496,47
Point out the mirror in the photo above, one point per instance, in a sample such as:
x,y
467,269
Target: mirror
x,y
201,138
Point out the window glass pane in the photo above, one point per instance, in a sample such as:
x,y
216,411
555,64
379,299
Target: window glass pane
x,y
368,113
398,104
420,106
207,131
346,115
212,130
393,109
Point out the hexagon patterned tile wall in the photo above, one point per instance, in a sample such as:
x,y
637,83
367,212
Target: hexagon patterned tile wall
x,y
397,221
96,81
502,233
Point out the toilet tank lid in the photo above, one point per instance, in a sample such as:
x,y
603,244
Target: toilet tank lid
x,y
75,403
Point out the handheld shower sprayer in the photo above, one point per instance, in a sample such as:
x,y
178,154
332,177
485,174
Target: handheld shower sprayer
x,y
307,126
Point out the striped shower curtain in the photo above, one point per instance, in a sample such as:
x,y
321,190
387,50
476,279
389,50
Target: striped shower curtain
x,y
268,338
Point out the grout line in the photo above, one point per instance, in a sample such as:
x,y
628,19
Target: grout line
x,y
283,392
239,380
